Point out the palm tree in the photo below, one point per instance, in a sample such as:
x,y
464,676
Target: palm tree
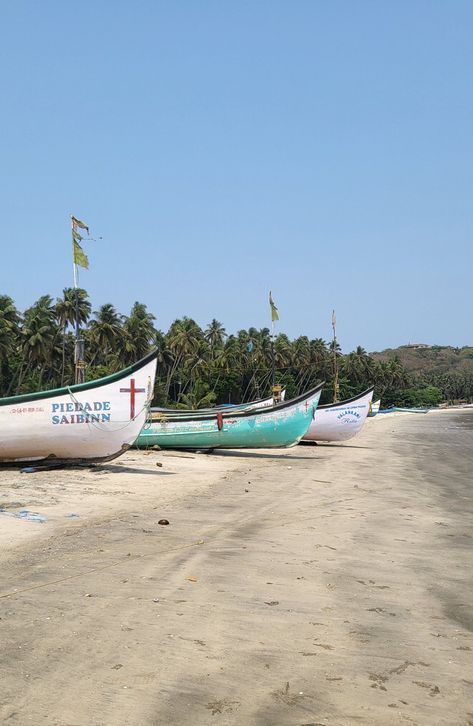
x,y
302,360
72,308
139,334
282,352
228,365
9,325
359,366
229,358
39,335
184,341
320,359
9,336
215,335
199,397
105,334
262,358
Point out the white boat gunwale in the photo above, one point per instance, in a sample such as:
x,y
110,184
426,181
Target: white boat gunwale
x,y
346,401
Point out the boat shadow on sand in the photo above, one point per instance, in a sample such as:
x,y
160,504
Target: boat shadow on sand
x,y
258,455
336,445
118,469
93,468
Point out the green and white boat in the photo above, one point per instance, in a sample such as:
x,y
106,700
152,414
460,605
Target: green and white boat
x,y
277,426
94,421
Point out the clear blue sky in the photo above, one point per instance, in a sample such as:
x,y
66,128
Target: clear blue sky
x,y
223,148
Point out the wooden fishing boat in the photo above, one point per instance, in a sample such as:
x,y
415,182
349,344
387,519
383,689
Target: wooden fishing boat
x,y
93,421
282,425
260,403
340,421
374,407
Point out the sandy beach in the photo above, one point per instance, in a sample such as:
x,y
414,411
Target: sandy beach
x,y
321,585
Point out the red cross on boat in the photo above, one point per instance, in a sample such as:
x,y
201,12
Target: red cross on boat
x,y
132,390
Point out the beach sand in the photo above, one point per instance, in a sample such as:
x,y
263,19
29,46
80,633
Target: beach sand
x,y
322,585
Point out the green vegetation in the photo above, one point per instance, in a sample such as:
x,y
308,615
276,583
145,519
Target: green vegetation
x,y
199,367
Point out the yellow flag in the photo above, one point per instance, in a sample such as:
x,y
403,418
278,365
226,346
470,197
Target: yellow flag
x,y
274,310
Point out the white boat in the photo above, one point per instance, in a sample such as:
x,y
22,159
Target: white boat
x,y
93,421
340,421
374,407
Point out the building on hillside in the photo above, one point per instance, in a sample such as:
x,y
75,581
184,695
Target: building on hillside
x,y
417,346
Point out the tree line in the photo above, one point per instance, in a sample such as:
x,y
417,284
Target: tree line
x,y
196,366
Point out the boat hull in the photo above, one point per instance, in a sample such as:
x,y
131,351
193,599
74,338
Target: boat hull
x,y
94,421
278,426
341,421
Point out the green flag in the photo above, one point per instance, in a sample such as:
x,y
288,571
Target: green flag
x,y
80,258
274,310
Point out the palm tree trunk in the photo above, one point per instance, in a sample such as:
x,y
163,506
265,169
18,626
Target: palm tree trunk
x,y
170,374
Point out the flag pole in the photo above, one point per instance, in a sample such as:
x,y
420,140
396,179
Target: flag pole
x,y
276,389
79,342
336,386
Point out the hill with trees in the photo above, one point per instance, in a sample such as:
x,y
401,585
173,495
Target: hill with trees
x,y
445,367
434,359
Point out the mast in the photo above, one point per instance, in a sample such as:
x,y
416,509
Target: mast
x,y
276,389
336,386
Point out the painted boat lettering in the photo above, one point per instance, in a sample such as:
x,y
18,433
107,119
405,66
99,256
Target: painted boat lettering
x,y
362,406
25,409
94,412
348,416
